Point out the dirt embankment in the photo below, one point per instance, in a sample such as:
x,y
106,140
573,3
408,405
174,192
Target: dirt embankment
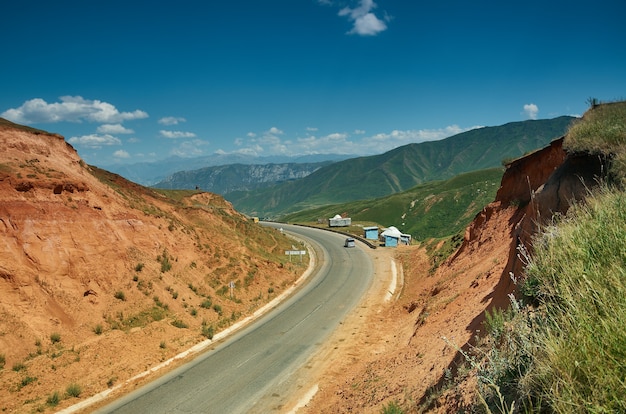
x,y
101,279
406,352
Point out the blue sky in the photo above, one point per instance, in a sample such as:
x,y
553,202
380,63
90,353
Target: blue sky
x,y
134,81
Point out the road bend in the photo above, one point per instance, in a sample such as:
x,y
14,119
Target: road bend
x,y
254,369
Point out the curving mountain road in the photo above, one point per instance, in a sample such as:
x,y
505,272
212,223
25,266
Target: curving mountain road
x,y
255,369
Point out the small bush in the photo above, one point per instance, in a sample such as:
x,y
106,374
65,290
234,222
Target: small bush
x,y
208,331
55,337
392,408
97,329
53,399
19,366
162,345
160,304
73,390
179,324
164,259
217,308
3,361
120,295
139,267
27,380
206,304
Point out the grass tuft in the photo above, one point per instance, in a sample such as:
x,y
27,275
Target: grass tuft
x,y
73,390
602,131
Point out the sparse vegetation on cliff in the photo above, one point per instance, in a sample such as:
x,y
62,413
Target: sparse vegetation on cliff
x,y
602,131
561,347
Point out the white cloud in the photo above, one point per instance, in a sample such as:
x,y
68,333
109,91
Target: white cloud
x,y
192,148
274,131
171,120
359,131
311,129
114,129
70,109
531,110
95,140
176,134
365,22
121,154
343,143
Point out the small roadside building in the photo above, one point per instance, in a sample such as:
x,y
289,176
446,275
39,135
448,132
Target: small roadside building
x,y
405,239
371,233
339,221
391,236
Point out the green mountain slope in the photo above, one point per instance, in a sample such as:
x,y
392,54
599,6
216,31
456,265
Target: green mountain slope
x,y
401,168
431,210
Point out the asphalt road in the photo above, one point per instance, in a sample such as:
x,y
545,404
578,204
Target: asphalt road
x,y
252,371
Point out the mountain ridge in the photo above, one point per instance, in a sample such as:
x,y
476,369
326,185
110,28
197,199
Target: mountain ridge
x,y
402,168
223,179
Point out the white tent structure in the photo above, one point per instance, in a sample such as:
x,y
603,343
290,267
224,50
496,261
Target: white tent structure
x,y
391,236
339,221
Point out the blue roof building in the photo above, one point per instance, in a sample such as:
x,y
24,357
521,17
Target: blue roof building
x,y
371,233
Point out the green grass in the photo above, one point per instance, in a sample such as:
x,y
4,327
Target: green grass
x,y
19,366
579,276
73,390
53,399
179,324
602,131
565,351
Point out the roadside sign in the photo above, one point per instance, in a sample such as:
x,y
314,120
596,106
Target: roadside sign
x,y
295,253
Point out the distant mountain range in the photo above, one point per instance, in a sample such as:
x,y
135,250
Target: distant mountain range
x,y
151,173
224,179
401,168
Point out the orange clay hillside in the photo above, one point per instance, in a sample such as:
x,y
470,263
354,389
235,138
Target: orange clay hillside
x,y
101,279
